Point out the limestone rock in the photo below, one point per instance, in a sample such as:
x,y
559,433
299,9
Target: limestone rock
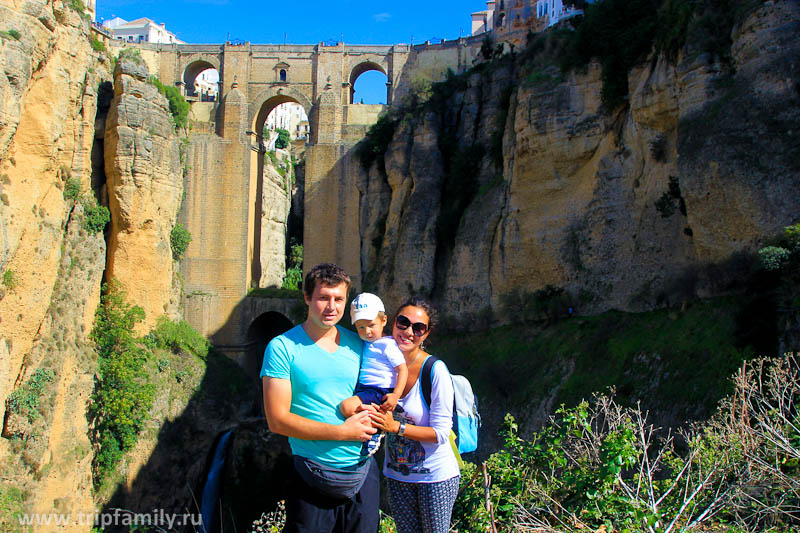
x,y
634,209
47,106
275,204
143,170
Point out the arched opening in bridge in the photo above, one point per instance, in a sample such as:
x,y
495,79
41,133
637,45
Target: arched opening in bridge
x,y
201,81
288,116
277,141
368,84
262,330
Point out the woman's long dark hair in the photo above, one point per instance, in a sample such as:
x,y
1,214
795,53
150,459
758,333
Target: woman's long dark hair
x,y
418,301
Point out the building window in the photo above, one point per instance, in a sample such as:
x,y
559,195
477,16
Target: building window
x,y
283,75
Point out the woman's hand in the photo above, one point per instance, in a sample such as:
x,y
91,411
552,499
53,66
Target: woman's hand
x,y
384,421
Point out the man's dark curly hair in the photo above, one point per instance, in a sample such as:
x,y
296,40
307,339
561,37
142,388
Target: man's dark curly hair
x,y
326,274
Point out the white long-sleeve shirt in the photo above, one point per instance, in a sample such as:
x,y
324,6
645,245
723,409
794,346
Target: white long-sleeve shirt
x,y
424,462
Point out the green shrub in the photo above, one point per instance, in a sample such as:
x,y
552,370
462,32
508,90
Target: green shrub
x,y
10,281
10,34
72,189
98,45
97,216
25,399
78,5
131,54
293,278
179,336
12,505
122,396
602,466
275,292
671,200
773,257
179,239
283,138
294,272
178,105
792,235
376,141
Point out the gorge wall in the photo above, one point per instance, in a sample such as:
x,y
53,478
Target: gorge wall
x,y
506,181
510,179
56,151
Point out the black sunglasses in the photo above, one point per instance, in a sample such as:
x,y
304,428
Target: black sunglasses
x,y
419,328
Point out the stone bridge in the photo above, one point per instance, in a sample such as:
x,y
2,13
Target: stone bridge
x,y
224,185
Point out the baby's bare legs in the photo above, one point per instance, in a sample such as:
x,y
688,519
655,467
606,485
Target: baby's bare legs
x,y
348,406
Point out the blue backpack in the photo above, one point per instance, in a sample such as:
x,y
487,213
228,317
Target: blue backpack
x,y
466,419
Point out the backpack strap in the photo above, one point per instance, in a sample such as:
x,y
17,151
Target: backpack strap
x,y
425,383
426,379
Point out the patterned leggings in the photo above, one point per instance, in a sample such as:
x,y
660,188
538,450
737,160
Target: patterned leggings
x,y
423,507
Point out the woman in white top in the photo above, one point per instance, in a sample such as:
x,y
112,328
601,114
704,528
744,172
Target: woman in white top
x,y
420,465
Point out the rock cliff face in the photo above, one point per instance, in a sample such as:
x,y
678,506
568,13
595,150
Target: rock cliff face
x,y
275,203
54,97
51,264
517,182
145,186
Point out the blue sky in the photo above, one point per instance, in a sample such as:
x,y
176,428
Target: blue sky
x,y
359,22
355,21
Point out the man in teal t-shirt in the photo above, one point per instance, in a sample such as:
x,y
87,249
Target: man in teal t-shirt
x,y
307,372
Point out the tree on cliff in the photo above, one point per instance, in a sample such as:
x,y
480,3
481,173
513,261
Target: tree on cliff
x,y
283,138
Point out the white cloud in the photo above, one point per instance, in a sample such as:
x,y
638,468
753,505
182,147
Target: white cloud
x,y
381,17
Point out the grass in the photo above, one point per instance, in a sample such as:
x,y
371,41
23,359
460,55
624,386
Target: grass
x,y
10,34
669,359
25,399
10,280
12,504
275,292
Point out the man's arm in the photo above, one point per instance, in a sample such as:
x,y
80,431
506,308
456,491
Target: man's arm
x,y
277,402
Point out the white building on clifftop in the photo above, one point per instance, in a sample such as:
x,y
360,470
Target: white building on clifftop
x,y
142,30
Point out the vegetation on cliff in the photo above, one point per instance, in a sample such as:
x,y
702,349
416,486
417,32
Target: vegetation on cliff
x,y
129,370
622,33
179,239
122,395
602,466
178,105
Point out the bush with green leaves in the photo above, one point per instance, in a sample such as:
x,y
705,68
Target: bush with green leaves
x,y
10,34
283,138
179,239
178,106
131,54
773,257
122,397
25,399
98,45
294,274
72,189
600,465
12,505
10,281
179,336
96,217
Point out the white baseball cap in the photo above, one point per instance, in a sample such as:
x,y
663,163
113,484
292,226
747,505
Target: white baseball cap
x,y
365,306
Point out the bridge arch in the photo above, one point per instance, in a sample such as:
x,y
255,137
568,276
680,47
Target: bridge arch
x,y
260,108
193,68
266,100
263,329
360,69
